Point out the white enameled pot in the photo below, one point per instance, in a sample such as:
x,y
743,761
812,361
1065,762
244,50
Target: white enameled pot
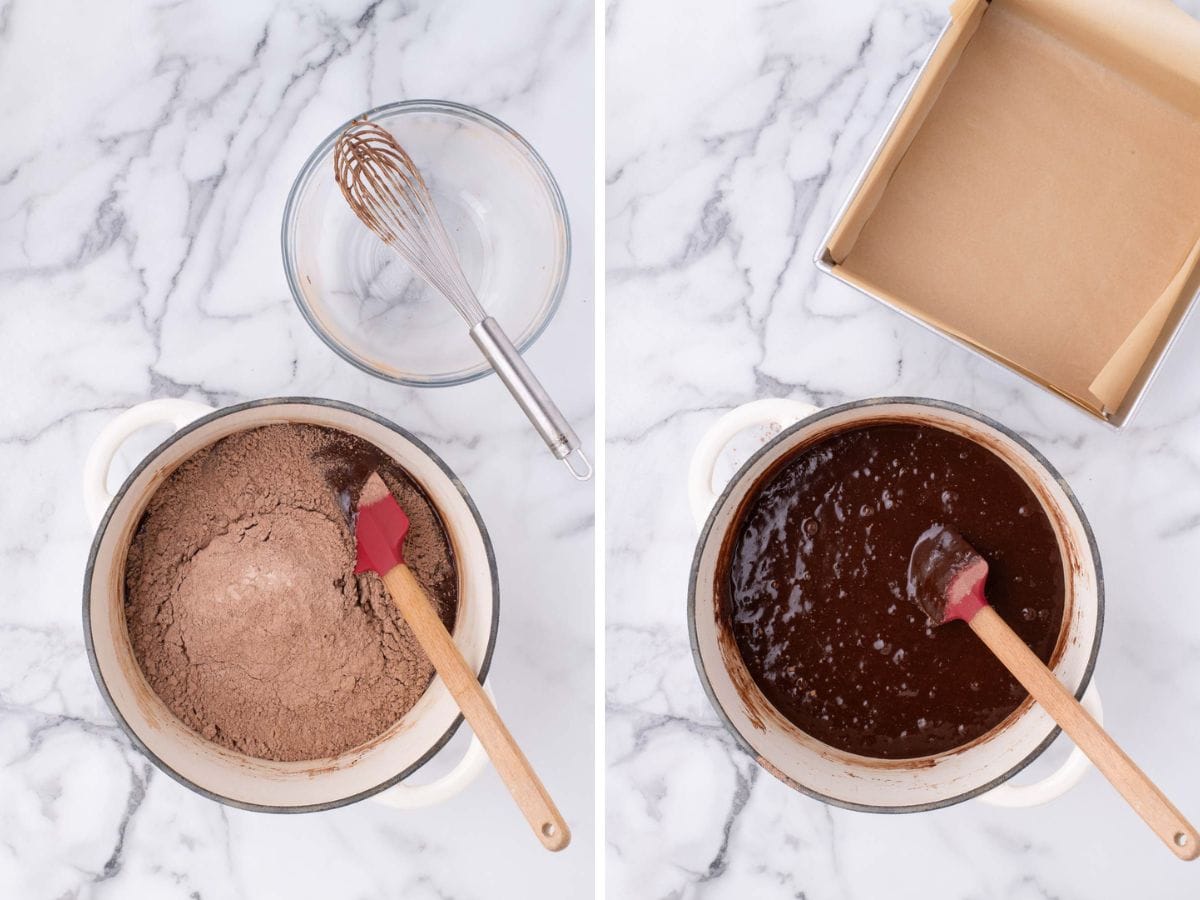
x,y
979,769
222,774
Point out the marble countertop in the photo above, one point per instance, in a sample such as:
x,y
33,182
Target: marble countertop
x,y
148,149
734,133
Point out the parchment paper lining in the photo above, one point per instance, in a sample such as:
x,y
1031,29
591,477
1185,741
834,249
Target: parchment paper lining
x,y
1040,195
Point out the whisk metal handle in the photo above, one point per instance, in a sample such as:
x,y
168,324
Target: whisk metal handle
x,y
550,423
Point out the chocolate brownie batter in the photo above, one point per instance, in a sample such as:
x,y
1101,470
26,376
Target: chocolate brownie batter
x,y
243,607
817,589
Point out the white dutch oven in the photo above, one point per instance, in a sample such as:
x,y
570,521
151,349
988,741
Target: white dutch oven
x,y
979,769
225,775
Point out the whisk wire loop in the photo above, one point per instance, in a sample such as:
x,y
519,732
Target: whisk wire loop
x,y
387,192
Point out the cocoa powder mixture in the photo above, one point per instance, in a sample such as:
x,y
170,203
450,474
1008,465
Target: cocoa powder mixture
x,y
243,607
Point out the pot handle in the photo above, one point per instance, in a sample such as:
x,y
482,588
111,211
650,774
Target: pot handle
x,y
1054,785
419,796
779,412
167,411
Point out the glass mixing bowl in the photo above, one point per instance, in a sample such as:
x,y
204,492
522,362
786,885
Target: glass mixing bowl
x,y
503,211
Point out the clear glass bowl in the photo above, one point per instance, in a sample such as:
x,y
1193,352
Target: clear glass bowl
x,y
503,211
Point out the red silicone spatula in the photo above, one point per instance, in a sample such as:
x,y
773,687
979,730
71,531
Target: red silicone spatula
x,y
380,531
945,578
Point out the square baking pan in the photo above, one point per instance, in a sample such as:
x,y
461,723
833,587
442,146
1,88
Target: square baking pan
x,y
1036,197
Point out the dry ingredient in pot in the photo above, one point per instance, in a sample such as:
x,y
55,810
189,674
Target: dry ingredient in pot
x,y
243,607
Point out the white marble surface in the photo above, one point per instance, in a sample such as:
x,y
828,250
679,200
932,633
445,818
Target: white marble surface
x,y
148,148
734,133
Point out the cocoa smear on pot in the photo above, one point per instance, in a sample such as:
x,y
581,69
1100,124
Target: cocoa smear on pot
x,y
243,607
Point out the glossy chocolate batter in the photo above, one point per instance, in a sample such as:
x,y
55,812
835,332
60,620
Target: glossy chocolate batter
x,y
817,589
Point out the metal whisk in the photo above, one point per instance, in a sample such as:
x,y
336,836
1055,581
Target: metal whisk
x,y
386,191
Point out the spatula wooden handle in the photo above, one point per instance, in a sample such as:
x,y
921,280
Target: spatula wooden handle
x,y
518,775
1139,791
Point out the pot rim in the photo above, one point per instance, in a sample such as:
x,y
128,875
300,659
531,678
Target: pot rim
x,y
103,527
771,445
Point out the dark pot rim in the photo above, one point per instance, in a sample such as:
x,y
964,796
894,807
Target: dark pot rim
x,y
103,527
769,447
